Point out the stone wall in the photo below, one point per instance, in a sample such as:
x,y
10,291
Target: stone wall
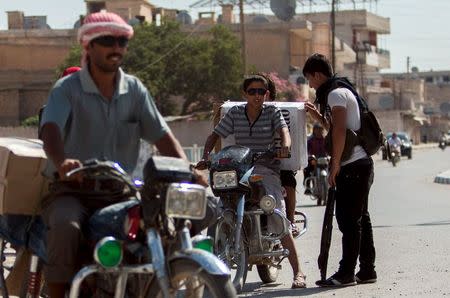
x,y
9,107
18,132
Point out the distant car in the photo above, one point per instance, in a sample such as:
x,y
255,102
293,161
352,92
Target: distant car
x,y
405,148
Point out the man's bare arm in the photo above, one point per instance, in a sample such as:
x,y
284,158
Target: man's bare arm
x,y
53,143
168,145
339,115
54,148
285,137
209,144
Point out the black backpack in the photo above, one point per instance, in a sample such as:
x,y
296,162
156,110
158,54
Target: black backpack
x,y
370,135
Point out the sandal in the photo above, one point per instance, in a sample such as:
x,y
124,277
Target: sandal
x,y
299,282
295,230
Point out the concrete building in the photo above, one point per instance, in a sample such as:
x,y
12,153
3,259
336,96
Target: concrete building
x,y
29,56
28,60
435,91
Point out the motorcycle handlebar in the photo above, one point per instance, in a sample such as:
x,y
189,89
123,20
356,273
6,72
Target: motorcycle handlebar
x,y
96,169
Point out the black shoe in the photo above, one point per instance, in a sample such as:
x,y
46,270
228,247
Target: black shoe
x,y
308,192
366,277
338,280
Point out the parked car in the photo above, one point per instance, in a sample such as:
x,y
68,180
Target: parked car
x,y
405,148
448,138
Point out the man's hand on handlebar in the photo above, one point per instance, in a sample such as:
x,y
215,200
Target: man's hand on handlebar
x,y
200,178
68,165
283,152
202,165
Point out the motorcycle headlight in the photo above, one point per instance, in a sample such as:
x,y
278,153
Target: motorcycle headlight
x,y
267,204
184,200
322,161
225,180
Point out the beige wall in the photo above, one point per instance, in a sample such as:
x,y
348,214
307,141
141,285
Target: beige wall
x,y
31,101
278,45
34,50
18,131
28,60
267,50
9,107
129,9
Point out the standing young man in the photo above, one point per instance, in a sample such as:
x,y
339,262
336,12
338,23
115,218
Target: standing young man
x,y
254,125
352,177
97,112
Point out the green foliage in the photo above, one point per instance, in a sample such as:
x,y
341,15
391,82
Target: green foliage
x,y
73,59
173,63
31,121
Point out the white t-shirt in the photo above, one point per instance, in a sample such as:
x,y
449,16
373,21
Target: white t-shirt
x,y
343,97
395,141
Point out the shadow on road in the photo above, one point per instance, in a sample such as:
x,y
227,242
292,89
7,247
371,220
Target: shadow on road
x,y
436,223
425,224
259,289
308,206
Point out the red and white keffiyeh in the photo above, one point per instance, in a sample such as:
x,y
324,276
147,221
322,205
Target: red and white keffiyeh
x,y
101,24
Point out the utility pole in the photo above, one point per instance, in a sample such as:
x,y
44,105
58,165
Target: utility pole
x,y
408,61
243,46
333,35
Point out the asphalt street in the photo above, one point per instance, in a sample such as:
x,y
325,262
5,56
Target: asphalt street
x,y
411,220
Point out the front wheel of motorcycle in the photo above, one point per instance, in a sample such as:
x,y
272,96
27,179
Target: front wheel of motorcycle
x,y
267,273
223,235
189,279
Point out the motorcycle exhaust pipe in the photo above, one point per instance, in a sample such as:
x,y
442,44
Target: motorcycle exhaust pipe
x,y
277,253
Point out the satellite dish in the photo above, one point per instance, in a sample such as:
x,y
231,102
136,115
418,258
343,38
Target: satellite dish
x,y
184,17
386,102
283,9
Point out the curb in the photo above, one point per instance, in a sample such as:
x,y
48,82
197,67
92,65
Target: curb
x,y
443,178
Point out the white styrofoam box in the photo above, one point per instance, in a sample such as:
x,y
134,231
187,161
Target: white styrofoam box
x,y
295,115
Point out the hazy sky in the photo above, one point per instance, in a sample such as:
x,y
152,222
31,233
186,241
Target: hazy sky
x,y
419,28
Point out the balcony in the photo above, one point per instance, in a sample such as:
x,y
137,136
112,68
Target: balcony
x,y
373,56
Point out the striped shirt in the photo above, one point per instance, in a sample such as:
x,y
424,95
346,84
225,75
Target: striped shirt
x,y
259,135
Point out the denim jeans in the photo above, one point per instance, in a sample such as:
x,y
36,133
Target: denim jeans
x,y
352,193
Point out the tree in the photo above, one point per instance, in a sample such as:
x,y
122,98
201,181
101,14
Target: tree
x,y
72,59
286,91
173,63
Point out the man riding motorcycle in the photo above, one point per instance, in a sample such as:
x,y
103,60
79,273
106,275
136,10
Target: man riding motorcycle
x,y
316,149
395,143
253,125
98,112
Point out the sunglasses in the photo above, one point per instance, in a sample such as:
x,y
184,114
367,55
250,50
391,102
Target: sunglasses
x,y
259,91
110,41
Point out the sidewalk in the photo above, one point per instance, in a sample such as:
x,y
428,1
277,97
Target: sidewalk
x,y
443,178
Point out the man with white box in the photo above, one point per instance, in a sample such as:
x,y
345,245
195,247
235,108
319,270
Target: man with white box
x,y
254,125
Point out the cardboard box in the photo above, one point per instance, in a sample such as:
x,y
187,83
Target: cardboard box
x,y
295,115
21,183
